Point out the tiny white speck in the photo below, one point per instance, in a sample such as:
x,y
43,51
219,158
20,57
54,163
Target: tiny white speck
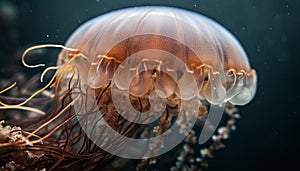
x,y
258,49
47,35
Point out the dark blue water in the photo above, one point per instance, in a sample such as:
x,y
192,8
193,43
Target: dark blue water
x,y
268,132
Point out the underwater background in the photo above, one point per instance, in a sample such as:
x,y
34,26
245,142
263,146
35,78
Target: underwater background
x,y
267,137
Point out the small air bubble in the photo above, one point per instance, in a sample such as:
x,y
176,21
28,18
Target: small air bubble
x,y
258,48
47,36
237,116
233,128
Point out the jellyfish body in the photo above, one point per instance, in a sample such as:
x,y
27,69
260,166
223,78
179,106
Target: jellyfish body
x,y
159,66
153,36
175,53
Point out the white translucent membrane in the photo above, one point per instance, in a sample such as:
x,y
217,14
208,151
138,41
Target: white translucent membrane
x,y
214,90
134,76
97,76
83,66
188,89
242,89
138,75
101,72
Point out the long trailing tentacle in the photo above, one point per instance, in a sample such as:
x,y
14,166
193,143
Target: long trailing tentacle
x,y
21,105
43,46
8,88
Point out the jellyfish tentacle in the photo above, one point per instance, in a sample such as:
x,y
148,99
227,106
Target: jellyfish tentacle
x,y
19,106
8,88
40,140
55,117
47,70
22,108
34,94
43,46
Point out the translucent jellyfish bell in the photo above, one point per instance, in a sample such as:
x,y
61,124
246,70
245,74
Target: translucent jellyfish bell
x,y
211,54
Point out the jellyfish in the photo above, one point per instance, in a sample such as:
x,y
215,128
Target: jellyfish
x,y
133,84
